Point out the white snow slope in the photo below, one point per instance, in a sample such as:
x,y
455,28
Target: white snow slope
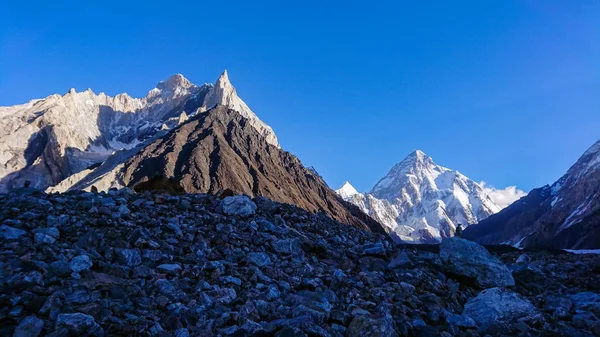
x,y
419,201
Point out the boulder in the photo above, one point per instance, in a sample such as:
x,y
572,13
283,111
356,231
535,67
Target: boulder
x,y
473,262
30,326
128,257
287,246
497,306
80,263
11,233
239,205
78,323
587,301
259,259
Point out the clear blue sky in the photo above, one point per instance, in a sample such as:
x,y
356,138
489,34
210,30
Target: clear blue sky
x,y
504,91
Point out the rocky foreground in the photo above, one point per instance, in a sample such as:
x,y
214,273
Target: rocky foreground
x,y
89,264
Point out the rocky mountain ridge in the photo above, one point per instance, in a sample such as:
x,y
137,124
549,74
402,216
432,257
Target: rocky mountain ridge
x,y
565,214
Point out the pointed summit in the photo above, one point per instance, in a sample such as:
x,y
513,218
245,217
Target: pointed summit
x,y
417,155
174,82
346,191
224,78
417,161
224,93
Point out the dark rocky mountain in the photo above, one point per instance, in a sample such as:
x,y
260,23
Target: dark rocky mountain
x,y
219,150
565,214
141,264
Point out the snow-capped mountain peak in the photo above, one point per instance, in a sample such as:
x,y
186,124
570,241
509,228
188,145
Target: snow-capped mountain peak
x,y
413,173
174,83
346,191
421,201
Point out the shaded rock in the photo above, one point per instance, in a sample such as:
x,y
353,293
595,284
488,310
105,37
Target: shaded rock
x,y
460,321
60,268
559,306
30,326
472,261
362,326
400,260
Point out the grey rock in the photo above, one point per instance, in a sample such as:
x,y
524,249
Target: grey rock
x,y
376,249
224,295
128,257
167,288
559,306
287,246
77,323
10,233
41,238
172,267
239,205
123,210
60,268
460,321
231,280
523,258
498,305
584,320
362,326
470,260
30,326
156,329
259,259
400,260
80,263
587,301
183,332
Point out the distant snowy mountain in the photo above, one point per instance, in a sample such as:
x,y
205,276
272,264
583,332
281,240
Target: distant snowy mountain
x,y
58,140
420,201
346,191
565,214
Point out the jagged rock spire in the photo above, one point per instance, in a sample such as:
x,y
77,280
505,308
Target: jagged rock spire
x,y
224,93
